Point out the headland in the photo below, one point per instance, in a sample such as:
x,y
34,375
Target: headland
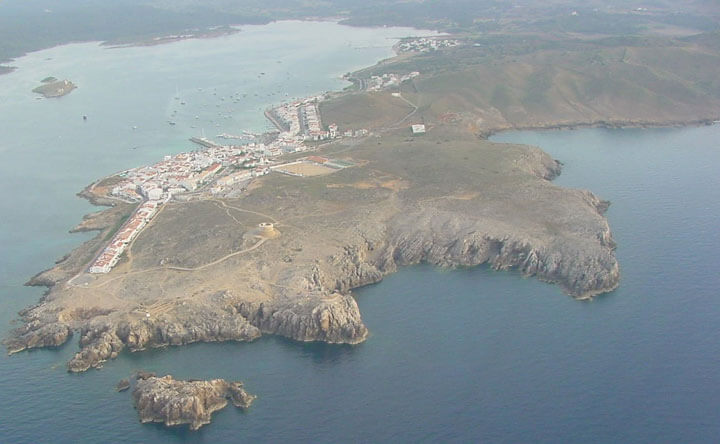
x,y
233,242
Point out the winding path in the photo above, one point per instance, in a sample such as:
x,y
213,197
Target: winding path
x,y
258,244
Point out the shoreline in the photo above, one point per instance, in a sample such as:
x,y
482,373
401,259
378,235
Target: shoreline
x,y
109,44
209,33
234,28
606,124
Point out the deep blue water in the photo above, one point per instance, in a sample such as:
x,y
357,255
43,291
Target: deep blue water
x,y
453,356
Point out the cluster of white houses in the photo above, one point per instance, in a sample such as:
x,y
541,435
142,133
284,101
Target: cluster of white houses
x,y
312,126
109,257
299,121
240,177
388,80
185,172
424,44
156,184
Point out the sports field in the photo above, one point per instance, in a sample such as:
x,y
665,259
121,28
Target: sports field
x,y
308,169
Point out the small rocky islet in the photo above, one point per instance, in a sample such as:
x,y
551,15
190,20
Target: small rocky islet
x,y
52,87
174,402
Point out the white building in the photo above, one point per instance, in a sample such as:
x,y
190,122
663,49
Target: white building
x,y
155,194
105,268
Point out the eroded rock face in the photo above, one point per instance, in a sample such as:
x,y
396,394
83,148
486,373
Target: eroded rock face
x,y
582,267
103,339
173,402
37,334
334,319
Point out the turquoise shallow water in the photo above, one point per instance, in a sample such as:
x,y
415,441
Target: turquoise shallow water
x,y
453,356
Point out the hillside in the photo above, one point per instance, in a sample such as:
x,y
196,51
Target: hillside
x,y
141,20
527,82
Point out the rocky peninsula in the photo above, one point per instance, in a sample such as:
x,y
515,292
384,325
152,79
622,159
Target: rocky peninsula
x,y
199,272
175,402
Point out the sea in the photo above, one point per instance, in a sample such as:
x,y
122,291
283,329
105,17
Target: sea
x,y
467,355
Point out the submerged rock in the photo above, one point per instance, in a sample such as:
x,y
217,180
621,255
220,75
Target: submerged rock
x,y
122,385
174,402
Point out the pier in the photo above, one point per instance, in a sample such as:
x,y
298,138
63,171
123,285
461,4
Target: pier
x,y
204,142
281,126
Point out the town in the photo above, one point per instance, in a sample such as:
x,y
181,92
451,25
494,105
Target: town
x,y
298,121
389,80
425,44
111,254
219,170
176,176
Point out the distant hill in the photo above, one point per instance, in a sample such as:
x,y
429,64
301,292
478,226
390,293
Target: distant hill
x,y
527,82
29,25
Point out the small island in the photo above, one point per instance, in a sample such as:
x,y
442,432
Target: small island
x,y
52,87
176,402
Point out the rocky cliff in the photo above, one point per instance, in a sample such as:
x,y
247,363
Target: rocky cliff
x,y
102,339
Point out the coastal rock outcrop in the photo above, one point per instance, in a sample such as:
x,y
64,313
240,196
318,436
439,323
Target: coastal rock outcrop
x,y
103,339
37,334
333,318
175,402
582,266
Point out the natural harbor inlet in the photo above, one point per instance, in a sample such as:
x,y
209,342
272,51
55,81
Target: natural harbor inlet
x,y
244,182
